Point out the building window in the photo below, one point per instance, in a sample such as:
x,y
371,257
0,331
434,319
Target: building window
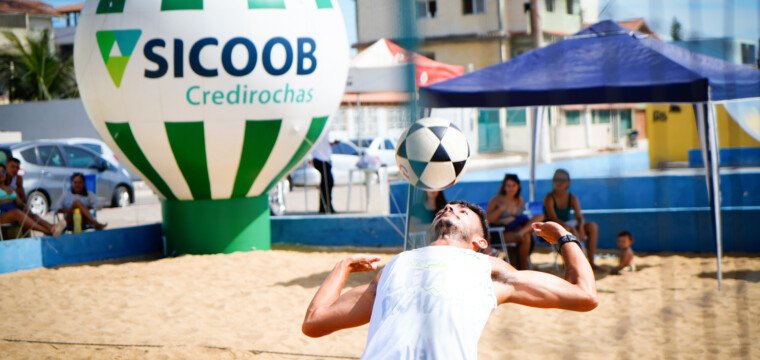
x,y
600,116
748,54
13,21
516,117
572,117
473,6
426,8
569,6
550,5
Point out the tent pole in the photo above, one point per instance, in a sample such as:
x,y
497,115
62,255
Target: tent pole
x,y
534,126
712,135
710,154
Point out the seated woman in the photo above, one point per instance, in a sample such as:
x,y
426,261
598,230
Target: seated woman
x,y
78,198
10,211
557,206
506,209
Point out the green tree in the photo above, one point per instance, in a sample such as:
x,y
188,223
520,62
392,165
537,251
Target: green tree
x,y
675,30
30,69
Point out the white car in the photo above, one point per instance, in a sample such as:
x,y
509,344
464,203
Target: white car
x,y
382,147
344,157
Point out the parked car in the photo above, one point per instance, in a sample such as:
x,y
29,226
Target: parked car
x,y
100,148
47,167
382,147
344,157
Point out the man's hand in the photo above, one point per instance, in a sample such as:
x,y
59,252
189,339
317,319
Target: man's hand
x,y
549,231
361,263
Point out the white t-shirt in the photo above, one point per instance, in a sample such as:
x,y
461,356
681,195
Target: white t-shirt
x,y
322,150
431,303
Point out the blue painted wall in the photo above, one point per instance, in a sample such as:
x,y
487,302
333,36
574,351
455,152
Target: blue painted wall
x,y
665,213
672,191
729,157
365,231
32,253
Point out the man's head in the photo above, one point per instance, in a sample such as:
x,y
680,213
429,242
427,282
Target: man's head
x,y
624,239
461,224
13,166
561,179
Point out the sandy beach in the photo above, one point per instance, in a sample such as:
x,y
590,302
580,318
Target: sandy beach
x,y
250,305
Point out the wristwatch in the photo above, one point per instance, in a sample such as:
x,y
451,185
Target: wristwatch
x,y
566,239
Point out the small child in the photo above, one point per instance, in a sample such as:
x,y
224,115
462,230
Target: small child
x,y
624,241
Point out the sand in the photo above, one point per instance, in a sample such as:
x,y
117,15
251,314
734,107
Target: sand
x,y
250,305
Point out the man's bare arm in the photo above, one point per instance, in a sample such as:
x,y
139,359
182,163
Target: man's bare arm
x,y
20,193
577,291
330,311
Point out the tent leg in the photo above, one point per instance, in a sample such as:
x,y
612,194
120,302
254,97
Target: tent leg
x,y
708,136
535,124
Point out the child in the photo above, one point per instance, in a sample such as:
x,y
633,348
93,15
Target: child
x,y
624,241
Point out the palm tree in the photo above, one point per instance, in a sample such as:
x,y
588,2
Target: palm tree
x,y
32,70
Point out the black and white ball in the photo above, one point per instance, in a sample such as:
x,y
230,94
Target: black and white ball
x,y
432,154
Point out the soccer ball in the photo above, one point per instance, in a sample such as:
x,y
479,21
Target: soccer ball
x,y
432,154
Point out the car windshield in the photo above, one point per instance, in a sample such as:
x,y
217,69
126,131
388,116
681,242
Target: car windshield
x,y
94,147
365,142
343,148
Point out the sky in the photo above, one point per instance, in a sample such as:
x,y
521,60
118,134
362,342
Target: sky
x,y
698,18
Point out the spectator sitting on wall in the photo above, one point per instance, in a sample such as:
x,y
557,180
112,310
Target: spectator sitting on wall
x,y
626,264
557,206
14,180
78,198
10,211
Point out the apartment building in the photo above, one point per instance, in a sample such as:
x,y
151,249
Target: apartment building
x,y
473,33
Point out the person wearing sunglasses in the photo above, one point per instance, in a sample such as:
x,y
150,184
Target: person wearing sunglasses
x,y
557,206
10,211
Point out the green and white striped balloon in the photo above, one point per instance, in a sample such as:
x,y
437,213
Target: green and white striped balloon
x,y
211,99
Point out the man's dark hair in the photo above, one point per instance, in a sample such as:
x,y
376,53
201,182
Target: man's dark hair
x,y
626,233
481,214
13,159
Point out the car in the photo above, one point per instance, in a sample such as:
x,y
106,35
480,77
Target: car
x,y
344,157
47,167
101,148
382,147
304,175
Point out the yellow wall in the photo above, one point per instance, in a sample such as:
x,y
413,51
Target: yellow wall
x,y
478,53
672,134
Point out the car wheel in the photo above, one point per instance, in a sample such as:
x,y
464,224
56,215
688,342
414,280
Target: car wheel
x,y
38,203
121,196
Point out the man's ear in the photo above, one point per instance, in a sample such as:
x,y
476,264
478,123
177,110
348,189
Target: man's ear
x,y
480,243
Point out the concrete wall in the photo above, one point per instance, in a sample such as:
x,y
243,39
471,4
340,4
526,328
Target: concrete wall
x,y
30,253
665,213
330,230
55,119
478,53
673,133
379,19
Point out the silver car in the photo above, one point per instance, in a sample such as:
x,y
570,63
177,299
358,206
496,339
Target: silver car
x,y
47,167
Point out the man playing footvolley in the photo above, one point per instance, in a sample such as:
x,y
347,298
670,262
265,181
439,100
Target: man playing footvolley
x,y
433,302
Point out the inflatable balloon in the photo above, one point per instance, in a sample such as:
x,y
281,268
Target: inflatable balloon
x,y
211,102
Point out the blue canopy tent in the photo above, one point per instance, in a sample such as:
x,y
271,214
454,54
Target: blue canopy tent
x,y
607,63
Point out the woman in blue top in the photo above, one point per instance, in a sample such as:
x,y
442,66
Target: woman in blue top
x,y
557,206
10,211
506,209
